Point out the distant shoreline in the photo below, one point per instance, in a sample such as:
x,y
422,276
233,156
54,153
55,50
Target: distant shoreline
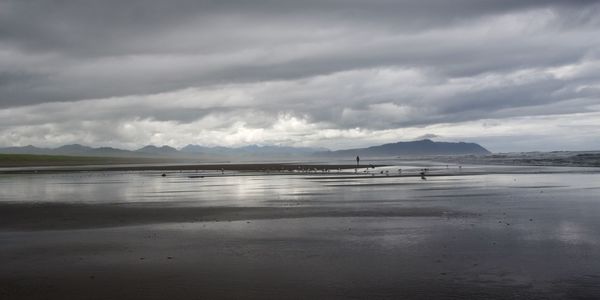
x,y
243,167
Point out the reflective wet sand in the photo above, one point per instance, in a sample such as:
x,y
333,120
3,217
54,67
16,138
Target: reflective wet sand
x,y
498,233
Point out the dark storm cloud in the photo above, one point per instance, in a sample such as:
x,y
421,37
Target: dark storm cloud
x,y
75,25
126,37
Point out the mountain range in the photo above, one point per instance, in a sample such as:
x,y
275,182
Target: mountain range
x,y
413,148
422,147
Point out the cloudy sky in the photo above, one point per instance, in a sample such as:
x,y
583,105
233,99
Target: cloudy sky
x,y
513,75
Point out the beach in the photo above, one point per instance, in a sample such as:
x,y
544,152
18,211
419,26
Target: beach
x,y
493,232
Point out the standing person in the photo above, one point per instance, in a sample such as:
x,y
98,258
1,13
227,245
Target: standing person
x,y
357,164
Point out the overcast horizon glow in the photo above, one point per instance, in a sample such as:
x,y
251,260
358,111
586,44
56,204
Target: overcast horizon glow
x,y
510,75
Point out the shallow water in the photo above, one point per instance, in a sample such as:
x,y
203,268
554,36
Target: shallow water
x,y
315,189
500,235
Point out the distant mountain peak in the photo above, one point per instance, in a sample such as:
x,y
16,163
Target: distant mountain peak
x,y
156,149
414,148
73,146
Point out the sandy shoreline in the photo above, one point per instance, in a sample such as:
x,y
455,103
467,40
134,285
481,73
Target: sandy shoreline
x,y
138,235
243,167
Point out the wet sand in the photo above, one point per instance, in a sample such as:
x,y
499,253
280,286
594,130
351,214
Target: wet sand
x,y
80,216
137,235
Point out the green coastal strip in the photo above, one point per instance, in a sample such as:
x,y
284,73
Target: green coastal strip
x,y
25,160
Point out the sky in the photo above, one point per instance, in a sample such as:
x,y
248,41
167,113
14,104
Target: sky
x,y
512,75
